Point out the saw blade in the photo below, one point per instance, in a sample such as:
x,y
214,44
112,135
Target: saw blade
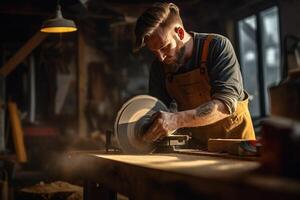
x,y
132,120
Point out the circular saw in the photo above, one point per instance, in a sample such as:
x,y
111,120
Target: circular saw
x,y
133,120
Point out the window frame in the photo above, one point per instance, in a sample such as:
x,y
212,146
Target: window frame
x,y
256,11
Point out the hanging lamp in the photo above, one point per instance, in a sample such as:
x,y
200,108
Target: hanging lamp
x,y
58,24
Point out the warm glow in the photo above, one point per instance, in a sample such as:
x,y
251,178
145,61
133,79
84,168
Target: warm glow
x,y
58,29
162,161
196,165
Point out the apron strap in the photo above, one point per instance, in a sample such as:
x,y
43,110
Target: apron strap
x,y
205,48
204,53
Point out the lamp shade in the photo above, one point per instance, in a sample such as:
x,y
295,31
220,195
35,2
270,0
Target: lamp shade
x,y
58,24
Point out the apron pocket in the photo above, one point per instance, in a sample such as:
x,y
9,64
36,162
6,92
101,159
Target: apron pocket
x,y
231,123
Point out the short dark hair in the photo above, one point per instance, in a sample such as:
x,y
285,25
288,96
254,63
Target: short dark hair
x,y
158,15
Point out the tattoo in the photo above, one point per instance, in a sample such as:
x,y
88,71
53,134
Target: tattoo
x,y
205,109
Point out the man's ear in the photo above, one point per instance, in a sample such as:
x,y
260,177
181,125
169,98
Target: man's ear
x,y
180,32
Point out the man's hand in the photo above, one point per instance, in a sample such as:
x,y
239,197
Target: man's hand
x,y
205,114
163,123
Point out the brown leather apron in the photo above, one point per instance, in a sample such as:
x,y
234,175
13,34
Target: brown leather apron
x,y
191,89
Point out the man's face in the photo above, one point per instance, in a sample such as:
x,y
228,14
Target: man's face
x,y
166,46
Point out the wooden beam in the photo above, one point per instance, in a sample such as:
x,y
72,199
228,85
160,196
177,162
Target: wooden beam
x,y
17,132
82,86
23,52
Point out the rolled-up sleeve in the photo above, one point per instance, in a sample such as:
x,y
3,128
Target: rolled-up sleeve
x,y
224,72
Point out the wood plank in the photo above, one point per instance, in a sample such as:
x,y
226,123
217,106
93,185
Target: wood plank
x,y
17,131
22,53
233,146
193,165
216,154
173,176
134,181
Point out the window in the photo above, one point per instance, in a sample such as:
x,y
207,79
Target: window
x,y
249,64
270,43
259,45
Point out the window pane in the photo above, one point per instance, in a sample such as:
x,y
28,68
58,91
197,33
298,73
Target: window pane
x,y
248,53
270,49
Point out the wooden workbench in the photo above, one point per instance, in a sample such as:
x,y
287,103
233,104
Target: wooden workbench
x,y
175,176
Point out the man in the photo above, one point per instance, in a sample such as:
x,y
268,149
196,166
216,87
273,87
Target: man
x,y
200,72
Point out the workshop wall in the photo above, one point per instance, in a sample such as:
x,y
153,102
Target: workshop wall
x,y
290,23
114,72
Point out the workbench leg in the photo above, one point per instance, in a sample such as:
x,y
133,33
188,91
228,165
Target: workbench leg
x,y
95,191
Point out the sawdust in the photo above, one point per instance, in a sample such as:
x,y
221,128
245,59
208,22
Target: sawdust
x,y
54,189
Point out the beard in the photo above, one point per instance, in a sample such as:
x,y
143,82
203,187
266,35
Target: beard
x,y
178,61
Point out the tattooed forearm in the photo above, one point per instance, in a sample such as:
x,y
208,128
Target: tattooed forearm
x,y
205,114
205,109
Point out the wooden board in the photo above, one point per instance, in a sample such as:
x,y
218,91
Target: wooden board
x,y
176,176
17,132
216,154
22,53
202,166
